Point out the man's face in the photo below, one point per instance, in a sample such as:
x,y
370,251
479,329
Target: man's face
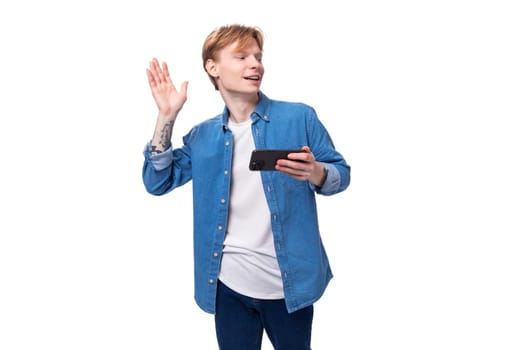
x,y
238,70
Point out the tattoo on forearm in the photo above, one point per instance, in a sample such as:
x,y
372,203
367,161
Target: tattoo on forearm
x,y
165,134
165,139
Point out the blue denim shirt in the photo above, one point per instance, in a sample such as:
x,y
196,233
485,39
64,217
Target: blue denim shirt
x,y
205,158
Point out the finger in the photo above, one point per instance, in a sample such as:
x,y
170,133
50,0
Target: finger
x,y
309,156
165,69
151,79
292,165
155,63
305,156
294,172
164,74
154,71
155,67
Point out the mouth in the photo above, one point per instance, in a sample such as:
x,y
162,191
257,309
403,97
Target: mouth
x,y
253,77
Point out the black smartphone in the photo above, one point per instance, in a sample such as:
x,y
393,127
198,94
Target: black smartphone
x,y
265,159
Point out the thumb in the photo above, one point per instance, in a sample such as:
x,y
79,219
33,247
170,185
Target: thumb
x,y
184,87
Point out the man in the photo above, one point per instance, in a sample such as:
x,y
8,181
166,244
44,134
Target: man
x,y
259,260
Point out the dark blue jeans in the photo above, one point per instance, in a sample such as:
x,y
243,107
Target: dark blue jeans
x,y
241,320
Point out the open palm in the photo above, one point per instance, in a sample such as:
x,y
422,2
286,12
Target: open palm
x,y
169,100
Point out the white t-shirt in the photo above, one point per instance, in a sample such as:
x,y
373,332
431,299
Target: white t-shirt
x,y
249,265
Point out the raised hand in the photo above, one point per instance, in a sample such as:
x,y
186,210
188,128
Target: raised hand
x,y
169,100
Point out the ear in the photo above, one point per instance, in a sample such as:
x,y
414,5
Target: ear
x,y
211,68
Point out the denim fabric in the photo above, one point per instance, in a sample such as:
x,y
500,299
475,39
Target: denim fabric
x,y
241,320
205,158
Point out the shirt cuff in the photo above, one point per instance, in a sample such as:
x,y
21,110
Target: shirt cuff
x,y
160,161
332,181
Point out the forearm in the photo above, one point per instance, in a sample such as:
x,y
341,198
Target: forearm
x,y
161,140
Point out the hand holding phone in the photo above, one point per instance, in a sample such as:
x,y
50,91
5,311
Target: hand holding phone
x,y
266,159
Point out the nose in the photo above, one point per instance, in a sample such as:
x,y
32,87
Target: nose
x,y
254,61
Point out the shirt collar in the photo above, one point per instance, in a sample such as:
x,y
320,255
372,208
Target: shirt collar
x,y
261,111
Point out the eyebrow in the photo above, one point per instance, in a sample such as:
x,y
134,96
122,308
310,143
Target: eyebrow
x,y
245,52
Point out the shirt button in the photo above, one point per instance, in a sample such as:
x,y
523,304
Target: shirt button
x,y
265,117
211,281
219,228
215,254
227,143
225,172
223,200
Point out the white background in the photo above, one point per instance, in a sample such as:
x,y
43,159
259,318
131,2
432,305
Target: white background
x,y
424,98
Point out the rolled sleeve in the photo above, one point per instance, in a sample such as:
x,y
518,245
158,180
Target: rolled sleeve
x,y
159,161
332,182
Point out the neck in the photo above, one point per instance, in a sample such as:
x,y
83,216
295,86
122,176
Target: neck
x,y
240,106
